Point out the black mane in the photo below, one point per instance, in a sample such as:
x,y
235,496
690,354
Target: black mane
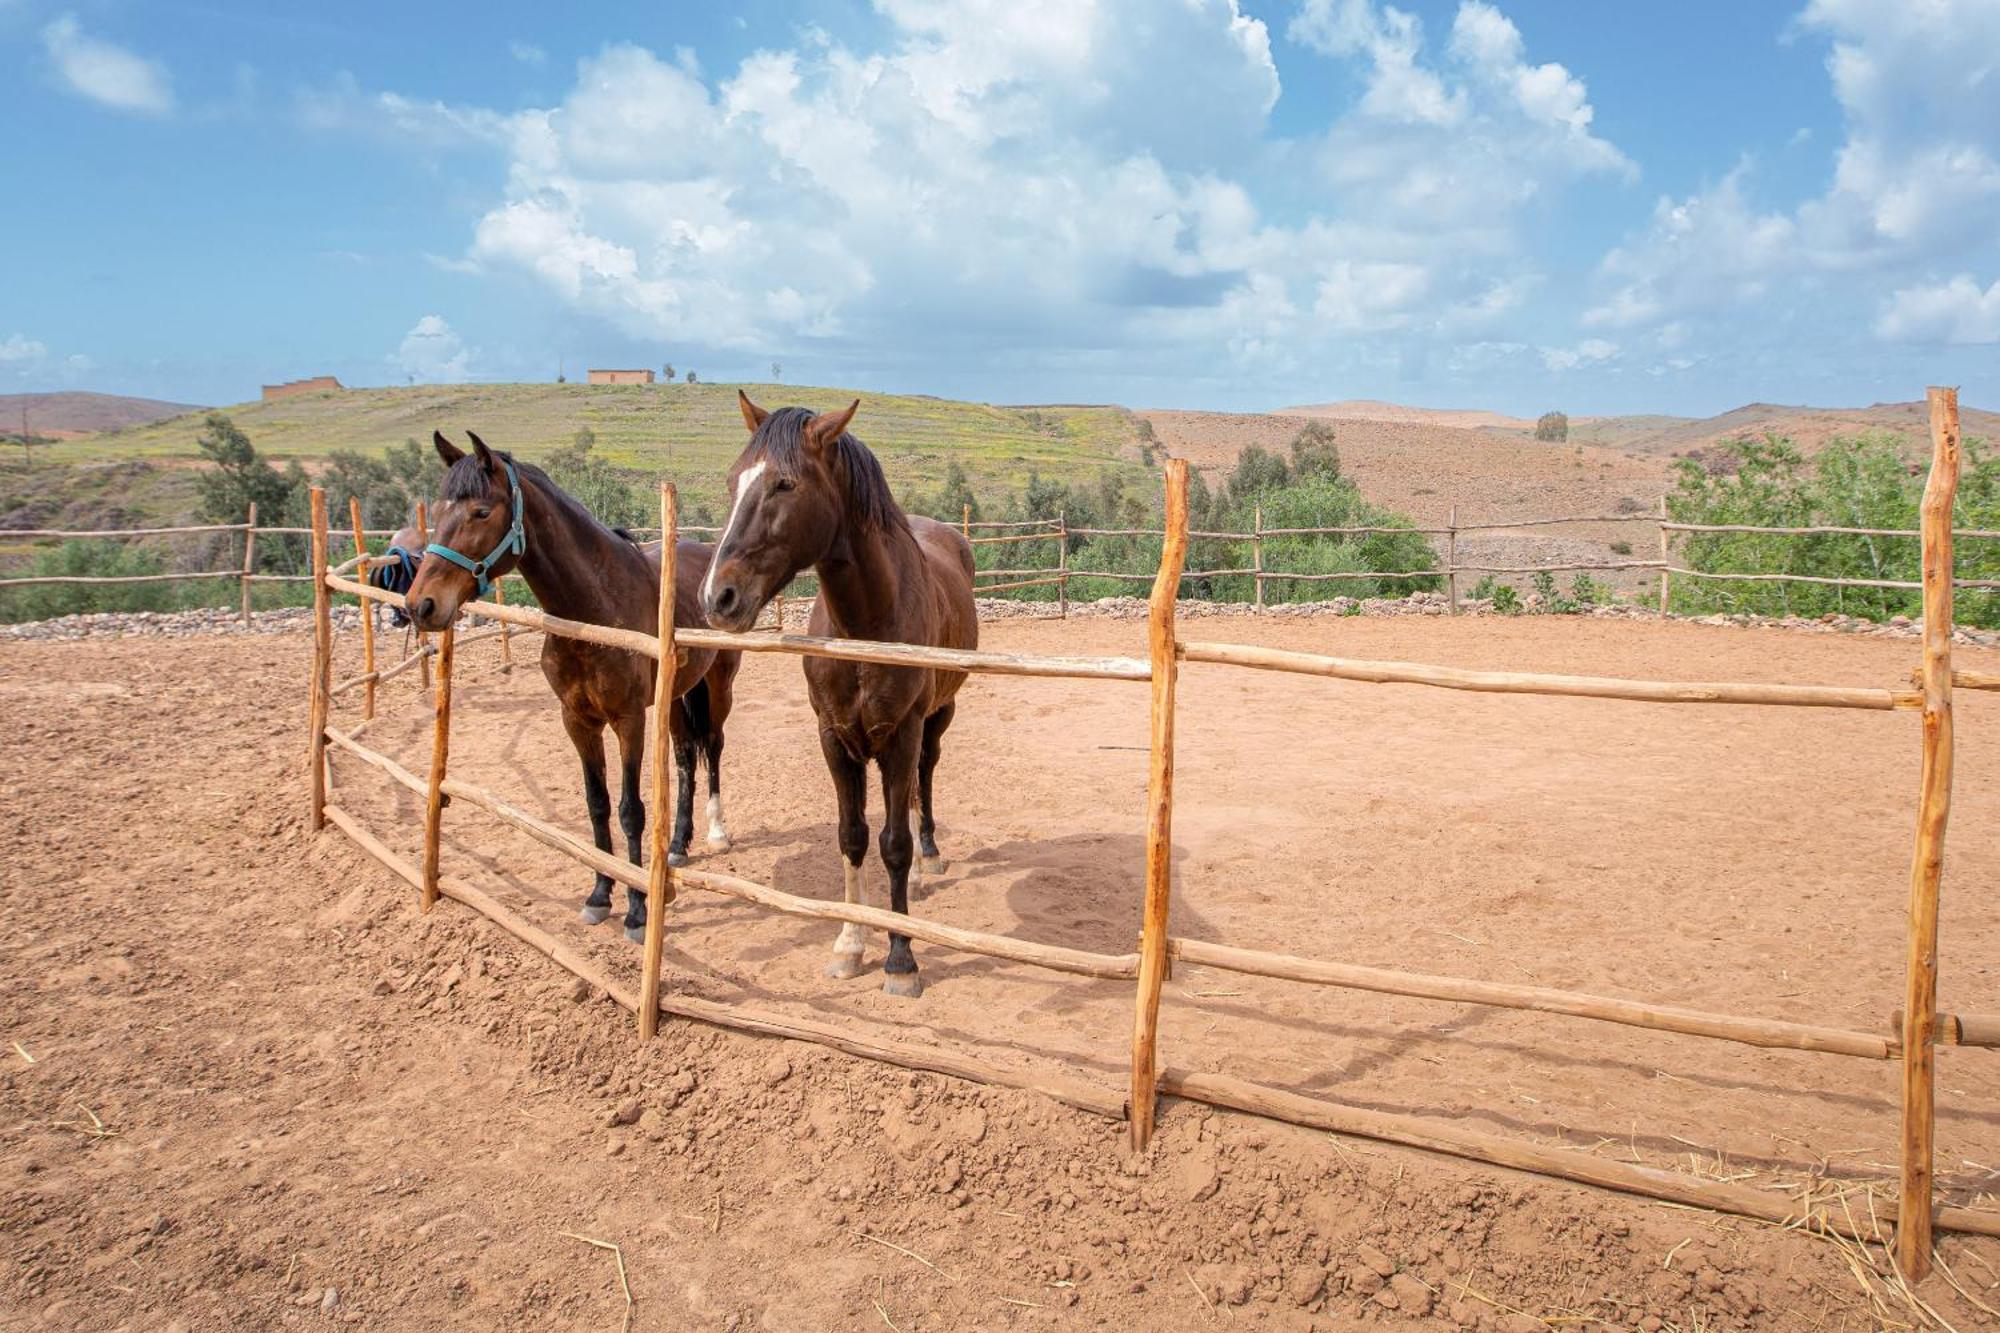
x,y
782,437
467,480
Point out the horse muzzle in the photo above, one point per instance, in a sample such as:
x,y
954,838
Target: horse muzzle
x,y
727,607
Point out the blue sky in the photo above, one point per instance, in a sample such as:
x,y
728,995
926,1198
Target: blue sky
x,y
1204,203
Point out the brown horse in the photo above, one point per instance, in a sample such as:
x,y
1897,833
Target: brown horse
x,y
497,514
806,493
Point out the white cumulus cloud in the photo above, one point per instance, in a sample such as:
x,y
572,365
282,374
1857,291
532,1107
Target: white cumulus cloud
x,y
432,353
1950,312
106,73
18,348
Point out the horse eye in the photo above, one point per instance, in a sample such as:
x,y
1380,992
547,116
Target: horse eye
x,y
481,513
784,484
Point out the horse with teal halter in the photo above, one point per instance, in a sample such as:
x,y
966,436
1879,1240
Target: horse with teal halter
x,y
514,543
396,568
580,569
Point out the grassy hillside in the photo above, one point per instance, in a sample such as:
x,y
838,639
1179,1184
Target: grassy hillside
x,y
688,432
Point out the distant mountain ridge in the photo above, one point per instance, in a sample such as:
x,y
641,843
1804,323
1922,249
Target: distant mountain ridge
x,y
1373,409
74,412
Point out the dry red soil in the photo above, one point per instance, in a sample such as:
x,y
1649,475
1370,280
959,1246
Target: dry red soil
x,y
239,1070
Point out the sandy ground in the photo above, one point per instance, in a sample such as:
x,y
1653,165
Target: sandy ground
x,y
304,1086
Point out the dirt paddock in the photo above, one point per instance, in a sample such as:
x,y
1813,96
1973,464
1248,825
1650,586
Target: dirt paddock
x,y
241,1072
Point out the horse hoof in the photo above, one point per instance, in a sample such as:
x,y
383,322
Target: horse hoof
x,y
594,916
677,858
844,966
721,844
903,985
934,865
636,934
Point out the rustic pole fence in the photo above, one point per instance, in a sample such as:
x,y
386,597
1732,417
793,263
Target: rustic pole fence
x,y
1159,810
1666,560
506,630
1913,1234
660,879
320,697
249,555
1062,565
423,639
367,609
1451,561
440,754
1914,1031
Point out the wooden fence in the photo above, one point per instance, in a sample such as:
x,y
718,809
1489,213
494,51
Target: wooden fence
x,y
1909,1037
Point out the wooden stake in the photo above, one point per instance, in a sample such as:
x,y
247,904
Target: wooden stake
x,y
440,751
1257,553
424,538
1062,565
249,555
965,522
1159,809
1451,561
1666,574
367,611
660,876
1913,1232
322,668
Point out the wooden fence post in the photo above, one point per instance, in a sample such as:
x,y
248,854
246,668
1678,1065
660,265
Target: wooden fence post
x,y
1665,560
440,753
506,630
659,875
367,609
1062,564
1914,1217
249,555
423,537
965,522
1159,809
1257,552
322,669
1451,561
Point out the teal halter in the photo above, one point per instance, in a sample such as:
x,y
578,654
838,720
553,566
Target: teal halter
x,y
515,542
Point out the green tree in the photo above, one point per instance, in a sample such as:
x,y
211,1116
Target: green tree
x,y
1552,426
238,476
603,489
1315,453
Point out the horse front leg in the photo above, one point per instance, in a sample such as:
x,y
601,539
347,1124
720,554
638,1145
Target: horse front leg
x,y
632,814
588,738
850,790
719,687
899,762
934,728
681,732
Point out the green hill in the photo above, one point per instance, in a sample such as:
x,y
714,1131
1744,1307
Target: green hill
x,y
688,432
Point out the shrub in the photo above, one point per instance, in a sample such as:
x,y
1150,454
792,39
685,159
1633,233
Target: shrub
x,y
1552,426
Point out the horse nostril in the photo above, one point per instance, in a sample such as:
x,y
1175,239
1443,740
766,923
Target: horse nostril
x,y
425,608
725,599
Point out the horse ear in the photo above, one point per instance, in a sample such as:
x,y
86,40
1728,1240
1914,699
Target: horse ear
x,y
479,447
753,415
448,451
827,427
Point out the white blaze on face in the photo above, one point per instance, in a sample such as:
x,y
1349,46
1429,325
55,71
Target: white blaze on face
x,y
744,480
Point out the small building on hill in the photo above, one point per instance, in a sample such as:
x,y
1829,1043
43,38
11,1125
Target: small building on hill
x,y
292,388
621,377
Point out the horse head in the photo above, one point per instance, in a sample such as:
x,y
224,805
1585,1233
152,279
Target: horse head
x,y
791,491
477,533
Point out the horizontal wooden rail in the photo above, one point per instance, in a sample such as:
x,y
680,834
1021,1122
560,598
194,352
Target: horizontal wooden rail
x,y
889,1050
1351,531
120,578
1078,962
526,617
1017,537
1542,999
1564,1163
1558,568
307,532
127,532
1502,524
905,654
1979,1030
1002,573
1819,530
1019,583
1794,578
1524,682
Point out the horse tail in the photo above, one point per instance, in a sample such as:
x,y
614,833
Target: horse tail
x,y
695,701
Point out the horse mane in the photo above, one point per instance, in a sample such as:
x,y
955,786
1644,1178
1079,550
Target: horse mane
x,y
466,480
783,438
